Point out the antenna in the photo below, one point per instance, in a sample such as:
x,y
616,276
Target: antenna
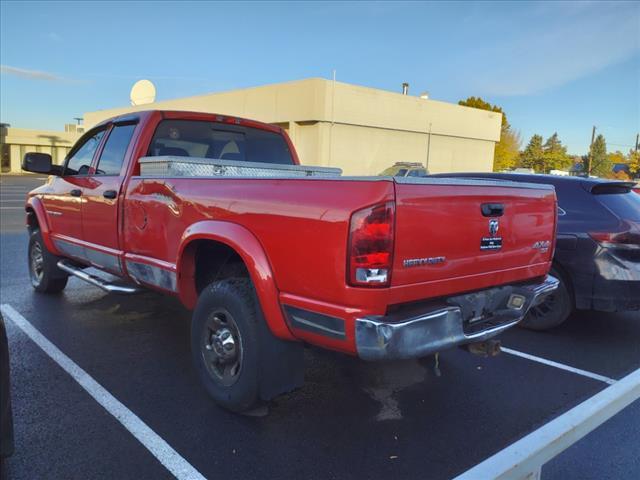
x,y
143,92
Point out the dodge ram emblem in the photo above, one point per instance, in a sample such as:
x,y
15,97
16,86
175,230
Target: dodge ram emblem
x,y
492,242
494,226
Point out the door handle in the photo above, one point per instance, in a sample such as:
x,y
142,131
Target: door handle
x,y
76,192
110,194
492,209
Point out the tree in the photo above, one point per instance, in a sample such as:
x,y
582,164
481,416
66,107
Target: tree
x,y
617,157
506,152
477,102
533,154
619,164
555,155
634,163
505,156
600,165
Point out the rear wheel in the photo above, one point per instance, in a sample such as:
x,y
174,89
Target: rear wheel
x,y
44,273
553,310
224,343
239,361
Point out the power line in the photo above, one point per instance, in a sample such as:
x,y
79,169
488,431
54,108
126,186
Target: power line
x,y
621,144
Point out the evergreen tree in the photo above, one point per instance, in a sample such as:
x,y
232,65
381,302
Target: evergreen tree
x,y
600,164
555,155
533,154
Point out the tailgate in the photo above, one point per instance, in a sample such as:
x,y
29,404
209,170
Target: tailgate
x,y
452,228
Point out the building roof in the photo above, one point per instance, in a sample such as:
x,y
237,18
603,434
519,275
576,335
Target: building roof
x,y
321,100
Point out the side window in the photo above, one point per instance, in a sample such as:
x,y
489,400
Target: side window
x,y
114,150
80,159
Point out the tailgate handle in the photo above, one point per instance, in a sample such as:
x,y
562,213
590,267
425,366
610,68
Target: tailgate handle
x,y
492,209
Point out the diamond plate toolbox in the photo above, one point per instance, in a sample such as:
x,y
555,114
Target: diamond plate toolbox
x,y
170,166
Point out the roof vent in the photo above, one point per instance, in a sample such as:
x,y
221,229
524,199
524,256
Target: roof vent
x,y
405,88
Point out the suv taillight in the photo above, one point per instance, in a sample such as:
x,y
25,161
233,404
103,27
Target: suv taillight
x,y
371,246
626,239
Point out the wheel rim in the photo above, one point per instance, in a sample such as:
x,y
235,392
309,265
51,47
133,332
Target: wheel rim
x,y
36,262
545,308
221,347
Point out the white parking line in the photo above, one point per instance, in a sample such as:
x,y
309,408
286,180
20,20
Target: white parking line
x,y
561,366
524,458
160,449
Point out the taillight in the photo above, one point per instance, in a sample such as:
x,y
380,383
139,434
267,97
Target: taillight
x,y
627,239
554,241
371,246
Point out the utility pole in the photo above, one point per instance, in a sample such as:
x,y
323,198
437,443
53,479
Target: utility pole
x,y
637,141
593,136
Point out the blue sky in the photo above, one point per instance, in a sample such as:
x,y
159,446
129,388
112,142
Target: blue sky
x,y
552,66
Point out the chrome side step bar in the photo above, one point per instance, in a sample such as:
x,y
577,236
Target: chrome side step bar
x,y
97,281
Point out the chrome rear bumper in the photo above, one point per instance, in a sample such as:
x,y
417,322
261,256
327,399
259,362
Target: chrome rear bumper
x,y
474,317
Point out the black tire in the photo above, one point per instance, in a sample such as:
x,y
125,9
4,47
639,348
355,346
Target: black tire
x,y
6,415
234,300
44,273
554,310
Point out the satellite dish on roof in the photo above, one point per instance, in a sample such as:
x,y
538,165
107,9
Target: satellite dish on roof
x,y
143,92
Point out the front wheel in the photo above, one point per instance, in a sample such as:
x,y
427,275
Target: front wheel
x,y
44,273
554,310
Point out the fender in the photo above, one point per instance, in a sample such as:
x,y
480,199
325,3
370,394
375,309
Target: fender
x,y
250,250
35,204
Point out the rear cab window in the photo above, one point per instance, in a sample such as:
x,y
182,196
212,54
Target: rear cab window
x,y
197,138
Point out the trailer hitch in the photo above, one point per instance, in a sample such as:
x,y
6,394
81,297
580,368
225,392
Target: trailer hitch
x,y
488,348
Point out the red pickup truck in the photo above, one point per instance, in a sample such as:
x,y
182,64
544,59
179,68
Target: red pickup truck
x,y
269,254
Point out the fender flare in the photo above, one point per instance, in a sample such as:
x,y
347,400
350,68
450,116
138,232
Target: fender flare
x,y
247,246
35,204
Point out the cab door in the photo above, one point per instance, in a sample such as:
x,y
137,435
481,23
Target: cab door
x,y
63,203
101,199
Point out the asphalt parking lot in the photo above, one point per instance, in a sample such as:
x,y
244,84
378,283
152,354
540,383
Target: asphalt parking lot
x,y
350,420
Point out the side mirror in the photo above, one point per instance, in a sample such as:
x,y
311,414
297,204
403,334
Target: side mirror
x,y
37,162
